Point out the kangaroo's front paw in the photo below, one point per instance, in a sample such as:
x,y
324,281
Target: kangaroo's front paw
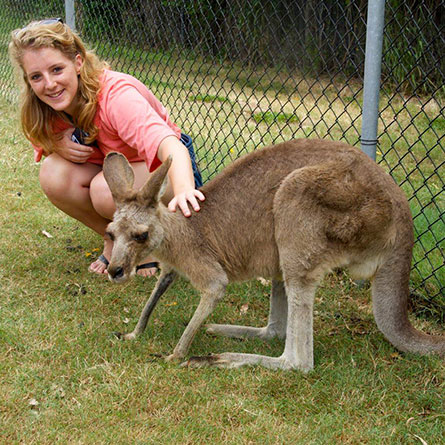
x,y
172,358
129,336
123,336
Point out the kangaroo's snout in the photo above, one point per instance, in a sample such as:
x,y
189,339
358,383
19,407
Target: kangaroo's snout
x,y
116,273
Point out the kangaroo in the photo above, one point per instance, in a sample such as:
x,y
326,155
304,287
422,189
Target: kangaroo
x,y
290,212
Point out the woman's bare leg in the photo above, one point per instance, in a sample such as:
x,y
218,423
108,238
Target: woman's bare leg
x,y
67,186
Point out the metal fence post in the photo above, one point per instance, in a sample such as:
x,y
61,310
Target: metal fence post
x,y
373,64
70,15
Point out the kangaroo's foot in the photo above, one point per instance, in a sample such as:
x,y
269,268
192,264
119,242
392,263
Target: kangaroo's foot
x,y
235,331
236,360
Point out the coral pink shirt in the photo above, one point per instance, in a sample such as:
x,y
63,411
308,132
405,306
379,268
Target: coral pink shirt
x,y
130,120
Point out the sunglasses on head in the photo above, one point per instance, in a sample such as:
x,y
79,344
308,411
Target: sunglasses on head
x,y
51,21
41,22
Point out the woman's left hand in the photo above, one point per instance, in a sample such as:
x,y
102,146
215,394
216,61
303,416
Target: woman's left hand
x,y
182,200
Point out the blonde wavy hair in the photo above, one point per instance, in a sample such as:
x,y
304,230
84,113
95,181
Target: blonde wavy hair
x,y
37,118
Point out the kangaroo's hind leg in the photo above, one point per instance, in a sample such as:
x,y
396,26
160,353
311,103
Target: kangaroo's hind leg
x,y
276,326
298,348
302,260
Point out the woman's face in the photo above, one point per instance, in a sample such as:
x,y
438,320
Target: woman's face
x,y
53,77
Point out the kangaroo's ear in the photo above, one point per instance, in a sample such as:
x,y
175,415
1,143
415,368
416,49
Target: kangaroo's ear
x,y
119,175
154,188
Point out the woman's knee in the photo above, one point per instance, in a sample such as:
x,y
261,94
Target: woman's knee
x,y
64,180
54,176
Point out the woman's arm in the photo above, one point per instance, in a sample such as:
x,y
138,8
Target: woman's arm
x,y
141,122
180,176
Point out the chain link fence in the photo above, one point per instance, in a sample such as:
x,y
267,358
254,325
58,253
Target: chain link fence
x,y
237,75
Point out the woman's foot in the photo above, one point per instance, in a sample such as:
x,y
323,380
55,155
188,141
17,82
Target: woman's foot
x,y
100,265
147,269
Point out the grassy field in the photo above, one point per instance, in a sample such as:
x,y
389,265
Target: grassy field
x,y
65,379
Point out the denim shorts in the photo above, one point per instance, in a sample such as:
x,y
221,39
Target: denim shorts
x,y
187,141
79,137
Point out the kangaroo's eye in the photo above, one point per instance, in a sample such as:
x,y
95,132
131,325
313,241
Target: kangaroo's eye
x,y
140,237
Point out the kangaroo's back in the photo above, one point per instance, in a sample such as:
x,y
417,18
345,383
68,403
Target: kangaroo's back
x,y
237,219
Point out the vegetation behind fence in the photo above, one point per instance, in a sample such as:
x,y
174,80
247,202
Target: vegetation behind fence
x,y
237,75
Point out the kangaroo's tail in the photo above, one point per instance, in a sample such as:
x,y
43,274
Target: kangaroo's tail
x,y
390,292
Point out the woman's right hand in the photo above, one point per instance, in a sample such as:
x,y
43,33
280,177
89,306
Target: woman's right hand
x,y
72,151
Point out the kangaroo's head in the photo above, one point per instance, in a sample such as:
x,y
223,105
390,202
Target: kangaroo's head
x,y
135,230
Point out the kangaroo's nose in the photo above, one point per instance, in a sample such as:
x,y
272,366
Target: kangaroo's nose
x,y
117,272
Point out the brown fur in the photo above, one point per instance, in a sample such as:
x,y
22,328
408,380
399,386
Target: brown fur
x,y
291,212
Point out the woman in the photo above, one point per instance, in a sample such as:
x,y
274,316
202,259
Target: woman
x,y
75,110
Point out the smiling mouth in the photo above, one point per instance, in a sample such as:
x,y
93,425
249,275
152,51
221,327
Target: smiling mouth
x,y
55,95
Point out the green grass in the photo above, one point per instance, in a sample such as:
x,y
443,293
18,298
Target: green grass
x,y
429,229
270,117
56,319
56,347
438,124
208,98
